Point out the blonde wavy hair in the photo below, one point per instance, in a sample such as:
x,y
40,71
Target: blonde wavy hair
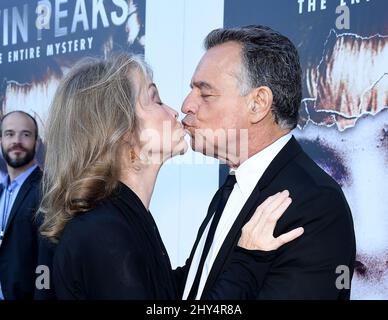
x,y
92,110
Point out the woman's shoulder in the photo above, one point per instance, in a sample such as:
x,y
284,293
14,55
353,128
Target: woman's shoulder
x,y
98,241
101,222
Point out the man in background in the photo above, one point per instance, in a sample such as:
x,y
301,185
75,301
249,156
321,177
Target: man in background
x,y
19,200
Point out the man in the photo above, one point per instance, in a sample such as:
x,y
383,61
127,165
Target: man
x,y
249,80
19,201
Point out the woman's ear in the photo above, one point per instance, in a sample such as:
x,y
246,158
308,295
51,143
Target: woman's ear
x,y
126,138
260,103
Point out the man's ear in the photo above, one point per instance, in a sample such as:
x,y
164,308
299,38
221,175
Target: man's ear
x,y
260,103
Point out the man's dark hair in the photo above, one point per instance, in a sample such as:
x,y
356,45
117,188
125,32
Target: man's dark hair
x,y
269,59
22,112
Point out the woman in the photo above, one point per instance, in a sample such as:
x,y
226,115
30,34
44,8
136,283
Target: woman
x,y
107,137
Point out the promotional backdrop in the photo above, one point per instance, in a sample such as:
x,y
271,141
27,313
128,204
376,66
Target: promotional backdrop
x,y
344,116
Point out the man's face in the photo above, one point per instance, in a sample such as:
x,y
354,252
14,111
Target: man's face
x,y
18,141
215,109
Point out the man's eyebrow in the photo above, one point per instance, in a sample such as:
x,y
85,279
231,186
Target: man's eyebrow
x,y
23,131
201,85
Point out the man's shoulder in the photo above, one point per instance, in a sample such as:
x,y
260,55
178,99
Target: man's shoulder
x,y
34,179
292,167
33,186
310,185
306,171
36,175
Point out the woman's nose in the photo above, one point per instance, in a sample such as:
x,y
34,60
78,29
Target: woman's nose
x,y
174,112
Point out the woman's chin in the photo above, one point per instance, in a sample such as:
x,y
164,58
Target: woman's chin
x,y
185,147
180,149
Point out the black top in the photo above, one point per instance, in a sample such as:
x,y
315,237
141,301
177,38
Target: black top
x,y
113,252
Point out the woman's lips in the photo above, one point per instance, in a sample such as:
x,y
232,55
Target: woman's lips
x,y
189,130
186,125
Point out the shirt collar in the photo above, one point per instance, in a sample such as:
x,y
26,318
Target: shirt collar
x,y
252,169
19,180
4,180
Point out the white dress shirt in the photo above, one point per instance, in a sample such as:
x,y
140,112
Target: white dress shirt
x,y
247,176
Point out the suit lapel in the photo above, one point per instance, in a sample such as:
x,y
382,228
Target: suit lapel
x,y
21,196
258,195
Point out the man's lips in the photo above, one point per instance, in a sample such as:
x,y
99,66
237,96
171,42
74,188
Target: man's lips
x,y
187,125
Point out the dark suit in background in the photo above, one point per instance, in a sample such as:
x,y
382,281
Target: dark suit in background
x,y
19,249
306,267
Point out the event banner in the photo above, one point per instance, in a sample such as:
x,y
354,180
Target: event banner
x,y
41,40
343,47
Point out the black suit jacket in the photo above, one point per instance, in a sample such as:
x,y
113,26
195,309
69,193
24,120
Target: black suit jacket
x,y
306,267
19,250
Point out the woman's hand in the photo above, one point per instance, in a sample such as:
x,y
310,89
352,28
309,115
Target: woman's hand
x,y
257,234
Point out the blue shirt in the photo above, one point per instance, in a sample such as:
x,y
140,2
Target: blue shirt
x,y
7,199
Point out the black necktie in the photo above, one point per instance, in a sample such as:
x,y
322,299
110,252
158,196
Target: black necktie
x,y
225,191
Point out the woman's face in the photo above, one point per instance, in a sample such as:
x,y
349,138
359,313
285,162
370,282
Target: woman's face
x,y
161,134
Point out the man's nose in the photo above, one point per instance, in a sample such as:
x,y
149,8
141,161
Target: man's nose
x,y
189,104
17,138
